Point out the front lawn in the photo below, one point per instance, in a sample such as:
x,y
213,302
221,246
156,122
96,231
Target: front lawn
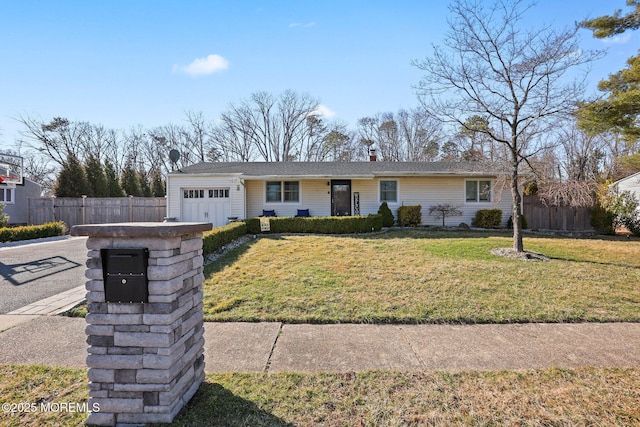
x,y
417,276
576,397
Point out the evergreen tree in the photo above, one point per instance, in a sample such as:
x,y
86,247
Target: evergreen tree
x,y
387,215
113,184
72,179
129,181
96,178
620,111
145,188
157,184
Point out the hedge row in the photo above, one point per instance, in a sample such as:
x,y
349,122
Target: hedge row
x,y
51,229
215,239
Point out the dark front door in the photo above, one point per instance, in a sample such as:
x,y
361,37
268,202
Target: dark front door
x,y
340,197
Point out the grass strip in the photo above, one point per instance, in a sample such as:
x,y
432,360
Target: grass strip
x,y
584,396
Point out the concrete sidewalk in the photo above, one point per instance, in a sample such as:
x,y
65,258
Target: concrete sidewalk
x,y
273,347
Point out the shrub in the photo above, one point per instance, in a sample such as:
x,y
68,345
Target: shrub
x,y
488,218
387,215
4,218
633,225
410,215
215,239
27,232
522,218
602,220
624,209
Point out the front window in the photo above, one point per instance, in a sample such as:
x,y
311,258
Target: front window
x,y
389,191
283,191
478,191
291,191
274,191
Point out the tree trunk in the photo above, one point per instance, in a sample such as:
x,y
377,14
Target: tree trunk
x,y
516,211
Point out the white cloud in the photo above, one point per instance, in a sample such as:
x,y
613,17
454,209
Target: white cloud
x,y
203,66
621,39
324,111
299,25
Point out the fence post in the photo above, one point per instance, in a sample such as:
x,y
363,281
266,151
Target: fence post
x,y
130,208
84,209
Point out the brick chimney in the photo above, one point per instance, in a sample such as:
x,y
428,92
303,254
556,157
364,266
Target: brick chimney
x,y
372,155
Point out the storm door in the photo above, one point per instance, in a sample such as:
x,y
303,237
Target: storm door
x,y
340,197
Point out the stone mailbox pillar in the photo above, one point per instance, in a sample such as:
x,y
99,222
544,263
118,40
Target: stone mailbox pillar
x,y
145,358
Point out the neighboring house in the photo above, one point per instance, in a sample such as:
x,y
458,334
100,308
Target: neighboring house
x,y
16,200
219,192
630,183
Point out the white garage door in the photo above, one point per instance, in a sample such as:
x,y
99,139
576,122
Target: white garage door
x,y
206,205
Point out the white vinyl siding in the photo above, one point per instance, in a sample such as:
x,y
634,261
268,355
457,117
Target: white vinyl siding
x,y
314,194
431,191
310,194
178,183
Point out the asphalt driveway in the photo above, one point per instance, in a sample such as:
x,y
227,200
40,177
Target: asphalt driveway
x,y
33,271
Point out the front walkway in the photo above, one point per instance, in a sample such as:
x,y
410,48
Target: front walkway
x,y
273,347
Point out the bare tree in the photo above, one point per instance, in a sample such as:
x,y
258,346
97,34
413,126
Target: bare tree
x,y
312,139
198,136
421,133
583,154
57,138
232,138
339,145
273,126
406,136
516,77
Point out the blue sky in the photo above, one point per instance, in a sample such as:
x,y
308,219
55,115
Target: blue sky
x,y
124,63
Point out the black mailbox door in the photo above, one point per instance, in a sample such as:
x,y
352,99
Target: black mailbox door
x,y
125,275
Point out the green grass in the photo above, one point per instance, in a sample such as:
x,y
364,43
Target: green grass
x,y
576,397
413,276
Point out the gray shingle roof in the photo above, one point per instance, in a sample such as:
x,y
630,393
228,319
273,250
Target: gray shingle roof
x,y
337,169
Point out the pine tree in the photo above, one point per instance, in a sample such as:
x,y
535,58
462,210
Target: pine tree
x,y
619,111
129,181
145,188
72,179
113,184
95,177
157,184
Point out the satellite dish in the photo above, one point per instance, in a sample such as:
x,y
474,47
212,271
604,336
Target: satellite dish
x,y
174,155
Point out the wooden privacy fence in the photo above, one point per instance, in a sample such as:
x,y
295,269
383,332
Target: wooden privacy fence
x,y
89,210
543,217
